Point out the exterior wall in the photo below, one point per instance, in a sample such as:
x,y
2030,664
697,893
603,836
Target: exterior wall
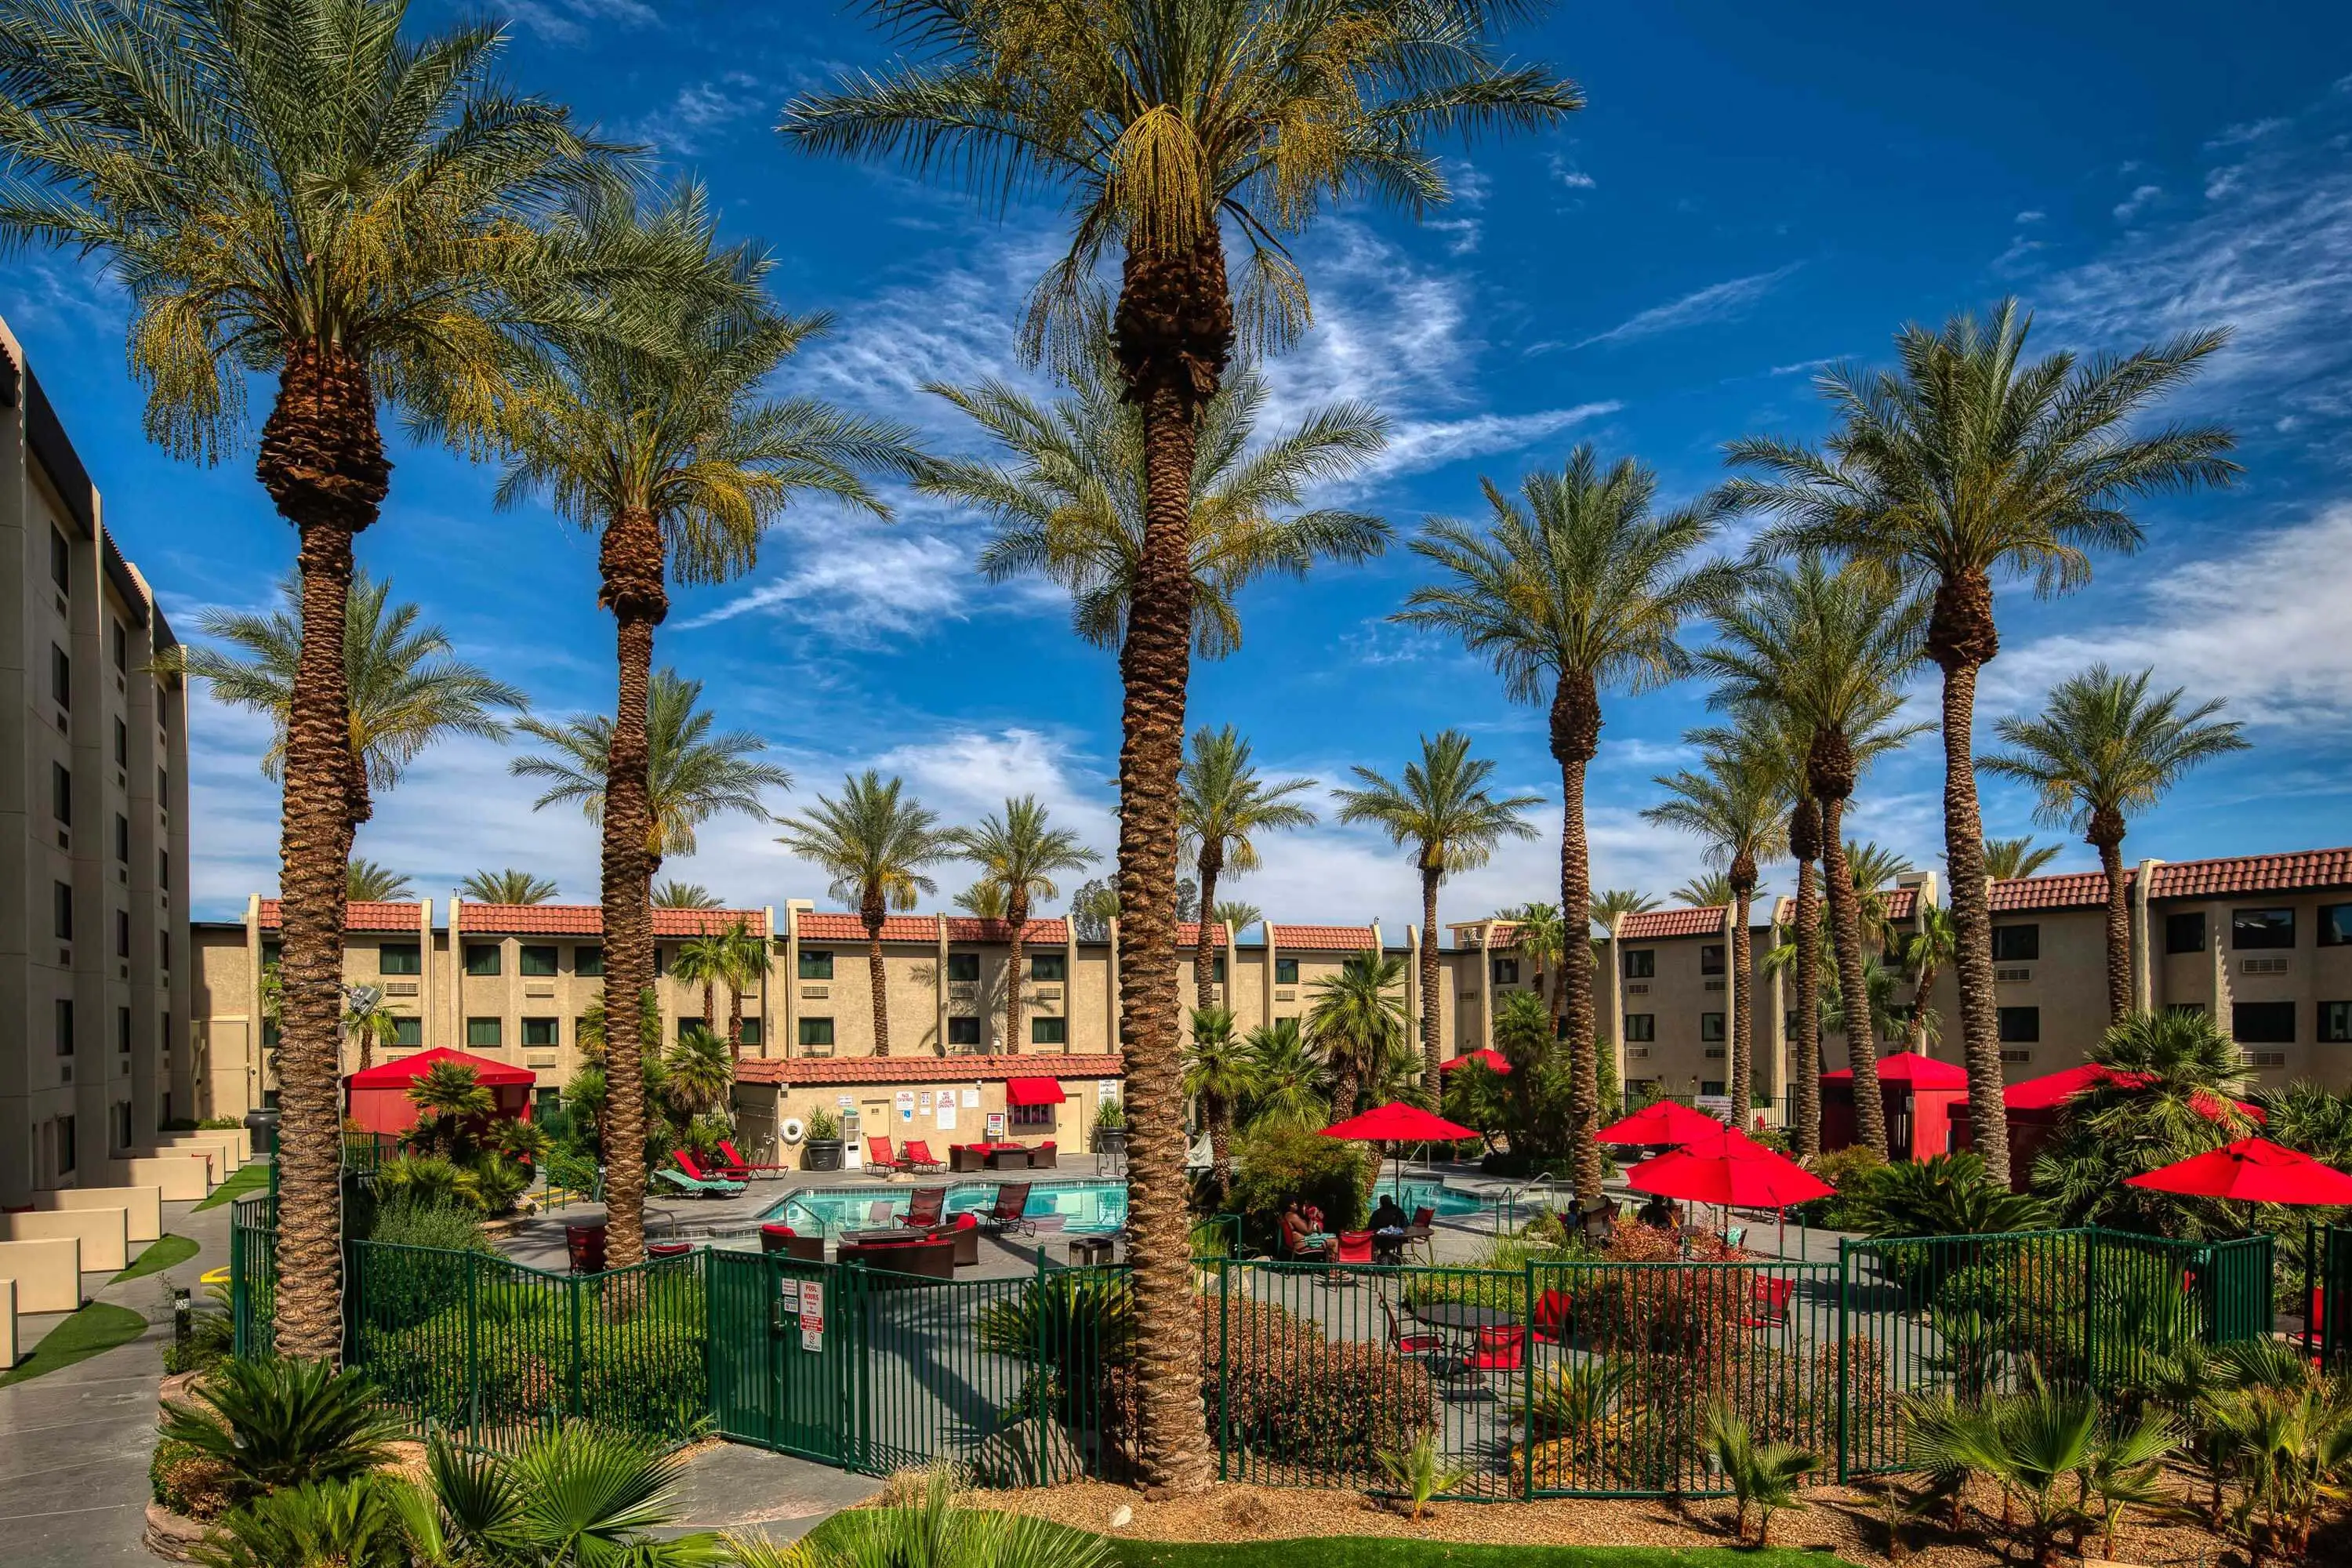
x,y
762,1108
93,813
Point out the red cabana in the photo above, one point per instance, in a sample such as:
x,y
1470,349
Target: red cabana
x,y
1496,1060
1920,1094
1668,1122
2034,1108
2251,1171
378,1099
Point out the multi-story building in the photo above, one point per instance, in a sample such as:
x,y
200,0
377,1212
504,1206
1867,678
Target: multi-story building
x,y
95,982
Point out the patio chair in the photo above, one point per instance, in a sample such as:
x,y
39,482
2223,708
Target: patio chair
x,y
727,1147
881,1157
709,1187
693,1167
1768,1302
1418,1342
917,1156
1555,1311
1499,1349
923,1210
1422,1233
1355,1246
1010,1215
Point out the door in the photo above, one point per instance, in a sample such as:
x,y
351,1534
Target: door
x,y
768,1385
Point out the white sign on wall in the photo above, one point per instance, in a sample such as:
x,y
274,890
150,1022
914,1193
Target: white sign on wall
x,y
906,1105
971,1099
947,1113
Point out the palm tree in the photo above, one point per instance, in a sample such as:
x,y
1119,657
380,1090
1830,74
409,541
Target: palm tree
x,y
1220,805
1927,952
677,895
1739,807
1964,464
368,1023
1020,856
297,190
1237,916
702,961
2103,749
743,963
1876,871
511,886
1539,934
2006,859
1357,1024
1823,655
873,842
1285,1077
1443,811
1711,890
1168,121
1614,904
1575,587
1218,1076
367,882
982,900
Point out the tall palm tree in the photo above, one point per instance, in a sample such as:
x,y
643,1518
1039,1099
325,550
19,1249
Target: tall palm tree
x,y
1222,804
1219,1076
1823,655
1442,811
1710,890
297,190
874,842
1168,123
1927,953
1236,915
1876,872
1285,1077
1576,586
743,964
677,895
1613,904
1357,1024
653,428
2103,749
2006,859
367,882
1539,934
1738,807
702,960
511,886
1964,464
1020,855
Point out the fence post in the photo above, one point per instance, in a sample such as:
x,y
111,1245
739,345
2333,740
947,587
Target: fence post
x,y
1527,1421
571,1288
2091,1308
1845,1380
473,1353
1225,1362
1037,1378
239,1309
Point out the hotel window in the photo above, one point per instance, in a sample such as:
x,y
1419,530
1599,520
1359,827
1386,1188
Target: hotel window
x,y
1217,970
1710,1027
163,870
121,646
164,950
963,968
2184,934
1641,1027
815,1032
123,1030
119,1123
63,900
2019,1025
63,1018
1286,972
689,1025
61,793
538,960
122,838
2336,1023
65,1144
1710,958
661,959
751,1035
1049,1031
963,1031
2016,944
1710,1086
482,958
1054,968
61,677
1641,962
407,1033
123,933
541,1033
1506,971
122,744
2262,928
816,964
399,958
2336,925
588,963
485,1034
60,561
2263,1023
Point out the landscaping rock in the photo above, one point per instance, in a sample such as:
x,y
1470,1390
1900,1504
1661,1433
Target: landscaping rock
x,y
174,1537
1034,1452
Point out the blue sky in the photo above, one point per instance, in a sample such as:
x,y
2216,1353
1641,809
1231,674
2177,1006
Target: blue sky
x,y
1751,191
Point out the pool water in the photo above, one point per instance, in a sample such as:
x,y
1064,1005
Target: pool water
x,y
1080,1207
1451,1203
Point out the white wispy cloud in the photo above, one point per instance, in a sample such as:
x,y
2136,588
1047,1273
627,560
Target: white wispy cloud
x,y
2031,215
704,113
1717,302
1564,169
575,21
2131,207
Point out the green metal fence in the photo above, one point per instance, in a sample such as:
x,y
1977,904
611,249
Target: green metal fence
x,y
2328,1296
252,1271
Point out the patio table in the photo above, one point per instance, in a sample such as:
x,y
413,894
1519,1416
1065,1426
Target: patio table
x,y
1463,1317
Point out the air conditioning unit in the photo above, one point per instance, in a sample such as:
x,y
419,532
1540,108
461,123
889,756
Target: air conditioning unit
x,y
400,987
1637,988
1636,1053
815,993
1715,1053
2266,1058
2012,976
539,988
962,990
1713,986
2016,1058
1045,994
2261,967
1291,996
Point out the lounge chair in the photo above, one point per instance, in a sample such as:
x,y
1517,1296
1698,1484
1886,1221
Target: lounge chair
x,y
693,1167
707,1187
881,1157
924,1209
1010,1215
918,1156
726,1147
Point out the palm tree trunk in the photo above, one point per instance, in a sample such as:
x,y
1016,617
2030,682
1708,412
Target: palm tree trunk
x,y
1431,1045
1575,737
734,1021
633,572
1204,964
1016,911
1846,935
878,979
1346,1084
1743,1009
711,1006
1172,333
1805,845
2107,835
321,461
1220,1118
1971,910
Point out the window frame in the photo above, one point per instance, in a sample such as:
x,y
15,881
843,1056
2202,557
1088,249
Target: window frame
x,y
473,959
2024,1017
2025,935
2278,1011
2238,932
814,964
554,1040
1505,971
1720,959
1641,963
964,1029
1049,968
1640,1028
495,1032
963,969
2334,1028
407,1032
545,952
60,678
808,1030
1286,972
588,960
1048,1029
61,910
2327,931
2185,921
61,793
1721,1029
399,958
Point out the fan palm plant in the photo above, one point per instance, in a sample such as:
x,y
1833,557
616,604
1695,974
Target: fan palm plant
x,y
1357,1024
1575,587
743,963
1283,1077
1738,805
1539,935
451,1102
366,882
576,1494
1222,806
699,1074
354,1523
297,190
1965,463
278,1423
511,886
1443,811
874,842
1763,1476
2006,859
1168,124
1823,655
2100,750
677,895
1020,855
1219,1077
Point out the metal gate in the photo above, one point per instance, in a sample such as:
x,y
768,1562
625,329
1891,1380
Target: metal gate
x,y
768,1385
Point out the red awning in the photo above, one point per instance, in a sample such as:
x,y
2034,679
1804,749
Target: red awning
x,y
1033,1091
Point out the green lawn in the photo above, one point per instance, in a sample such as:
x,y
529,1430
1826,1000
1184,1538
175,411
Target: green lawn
x,y
100,1326
168,1252
249,1178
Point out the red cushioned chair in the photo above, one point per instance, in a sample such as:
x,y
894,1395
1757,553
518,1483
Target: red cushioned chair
x,y
964,1231
879,1156
917,1156
1553,1310
726,1147
1768,1302
1499,1348
693,1167
1356,1247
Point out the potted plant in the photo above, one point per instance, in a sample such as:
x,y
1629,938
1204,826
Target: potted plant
x,y
1110,1127
823,1149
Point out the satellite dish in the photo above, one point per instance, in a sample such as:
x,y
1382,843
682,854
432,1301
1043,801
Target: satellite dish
x,y
793,1130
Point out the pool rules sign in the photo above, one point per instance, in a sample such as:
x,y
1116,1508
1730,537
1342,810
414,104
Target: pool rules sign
x,y
804,1299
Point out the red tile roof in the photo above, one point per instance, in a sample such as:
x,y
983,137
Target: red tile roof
x,y
799,1071
1323,938
1653,924
1037,932
2073,890
1900,903
588,920
1188,935
925,928
360,916
2309,869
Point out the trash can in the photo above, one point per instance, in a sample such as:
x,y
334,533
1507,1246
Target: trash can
x,y
585,1245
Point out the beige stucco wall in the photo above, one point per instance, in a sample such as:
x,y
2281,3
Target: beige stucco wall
x,y
48,1273
104,1234
143,1207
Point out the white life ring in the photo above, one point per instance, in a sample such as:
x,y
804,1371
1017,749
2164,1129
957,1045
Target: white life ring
x,y
793,1130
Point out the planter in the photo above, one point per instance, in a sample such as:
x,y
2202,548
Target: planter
x,y
174,1537
822,1154
1111,1141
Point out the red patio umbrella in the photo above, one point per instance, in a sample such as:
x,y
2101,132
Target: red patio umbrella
x,y
1397,1122
1664,1123
1729,1169
2251,1171
1496,1060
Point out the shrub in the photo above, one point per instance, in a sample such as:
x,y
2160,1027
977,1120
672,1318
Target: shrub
x,y
405,1221
1423,1471
219,1124
1847,1170
281,1423
823,1126
430,1179
1293,1398
189,1481
1279,1162
353,1524
1951,1194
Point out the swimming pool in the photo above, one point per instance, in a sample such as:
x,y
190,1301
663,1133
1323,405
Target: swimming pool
x,y
1451,1203
1081,1207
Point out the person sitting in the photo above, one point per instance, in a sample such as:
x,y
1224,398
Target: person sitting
x,y
1386,1215
1658,1213
1298,1222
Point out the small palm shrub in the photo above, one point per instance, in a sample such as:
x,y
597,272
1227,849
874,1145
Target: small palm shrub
x,y
578,1494
940,1530
2282,1433
2073,1466
1422,1472
428,1180
1951,1194
1763,1476
358,1522
1084,1322
280,1423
